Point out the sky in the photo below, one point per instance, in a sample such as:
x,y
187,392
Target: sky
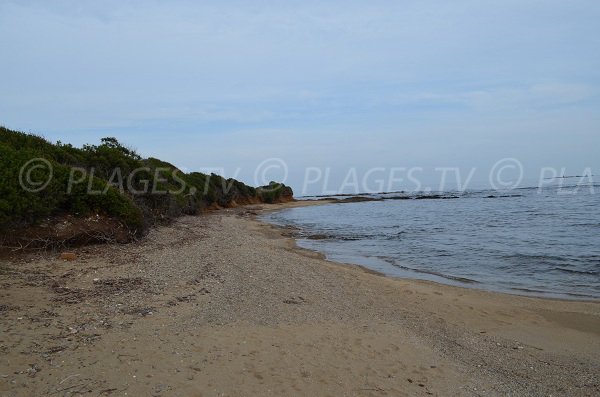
x,y
311,90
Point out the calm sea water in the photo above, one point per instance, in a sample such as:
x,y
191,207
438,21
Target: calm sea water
x,y
526,241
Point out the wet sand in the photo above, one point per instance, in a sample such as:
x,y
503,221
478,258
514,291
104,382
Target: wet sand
x,y
224,305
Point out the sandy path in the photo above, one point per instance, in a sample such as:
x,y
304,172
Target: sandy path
x,y
224,305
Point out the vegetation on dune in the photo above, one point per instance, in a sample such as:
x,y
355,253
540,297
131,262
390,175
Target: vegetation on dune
x,y
107,179
272,192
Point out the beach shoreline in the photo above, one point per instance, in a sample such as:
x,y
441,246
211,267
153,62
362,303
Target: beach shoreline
x,y
280,231
225,304
304,203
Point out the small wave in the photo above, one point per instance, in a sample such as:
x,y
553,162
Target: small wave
x,y
573,271
580,295
535,291
430,272
534,257
529,290
592,225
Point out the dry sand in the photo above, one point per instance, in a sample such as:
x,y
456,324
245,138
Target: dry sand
x,y
223,305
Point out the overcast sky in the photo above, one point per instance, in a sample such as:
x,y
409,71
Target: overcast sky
x,y
335,84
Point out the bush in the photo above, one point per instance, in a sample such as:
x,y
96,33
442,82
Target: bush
x,y
138,192
275,192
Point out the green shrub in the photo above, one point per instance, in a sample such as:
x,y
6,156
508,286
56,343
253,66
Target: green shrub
x,y
141,192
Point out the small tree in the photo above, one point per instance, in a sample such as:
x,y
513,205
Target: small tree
x,y
113,143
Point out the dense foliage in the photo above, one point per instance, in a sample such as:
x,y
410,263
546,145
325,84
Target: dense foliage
x,y
108,179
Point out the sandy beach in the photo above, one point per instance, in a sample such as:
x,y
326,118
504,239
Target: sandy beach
x,y
224,305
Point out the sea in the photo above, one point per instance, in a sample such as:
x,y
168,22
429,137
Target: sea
x,y
526,241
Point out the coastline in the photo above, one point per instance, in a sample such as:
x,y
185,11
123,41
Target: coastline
x,y
224,304
433,285
447,280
